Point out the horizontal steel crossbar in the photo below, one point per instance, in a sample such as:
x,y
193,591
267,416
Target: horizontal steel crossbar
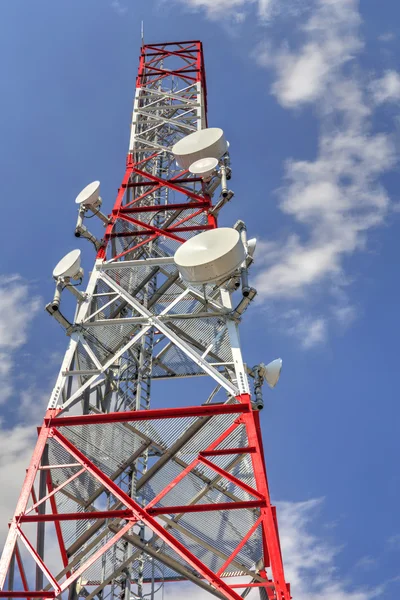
x,y
151,414
223,451
250,504
128,514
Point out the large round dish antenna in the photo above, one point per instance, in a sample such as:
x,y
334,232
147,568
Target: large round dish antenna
x,y
206,143
204,167
69,266
210,256
89,195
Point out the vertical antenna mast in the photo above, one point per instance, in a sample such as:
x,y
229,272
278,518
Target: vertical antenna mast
x,y
136,497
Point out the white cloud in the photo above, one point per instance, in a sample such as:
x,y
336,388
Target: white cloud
x,y
310,561
330,41
16,446
235,10
266,8
345,315
386,88
394,542
217,8
367,563
18,307
337,198
310,331
119,8
387,37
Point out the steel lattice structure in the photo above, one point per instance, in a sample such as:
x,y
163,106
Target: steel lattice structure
x,y
133,496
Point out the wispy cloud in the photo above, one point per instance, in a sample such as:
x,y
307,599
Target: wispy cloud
x,y
16,445
389,36
311,561
18,307
235,10
310,331
329,40
386,88
119,8
394,542
366,563
336,199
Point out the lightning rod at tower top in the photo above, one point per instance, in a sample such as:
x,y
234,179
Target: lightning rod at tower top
x,y
124,499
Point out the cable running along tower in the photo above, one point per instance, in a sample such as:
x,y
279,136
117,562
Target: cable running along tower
x,y
123,496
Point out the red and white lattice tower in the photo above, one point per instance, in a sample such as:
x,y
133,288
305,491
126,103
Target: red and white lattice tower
x,y
121,498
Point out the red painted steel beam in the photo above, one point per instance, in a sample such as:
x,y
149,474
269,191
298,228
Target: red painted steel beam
x,y
163,510
118,202
157,186
148,415
27,594
38,560
21,567
254,584
185,53
231,478
127,514
239,546
190,467
96,555
148,520
164,44
22,502
164,207
179,72
269,524
77,516
149,229
132,248
54,491
224,451
133,184
166,232
169,184
60,537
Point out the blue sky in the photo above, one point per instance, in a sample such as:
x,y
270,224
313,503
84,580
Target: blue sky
x,y
309,95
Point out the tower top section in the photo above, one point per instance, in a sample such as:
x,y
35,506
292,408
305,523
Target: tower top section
x,y
160,203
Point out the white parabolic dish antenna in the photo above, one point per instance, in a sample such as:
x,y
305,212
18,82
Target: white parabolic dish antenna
x,y
206,143
89,195
69,265
210,256
203,167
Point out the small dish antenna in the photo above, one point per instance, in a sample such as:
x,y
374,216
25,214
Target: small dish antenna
x,y
69,266
251,246
271,372
89,195
210,256
206,143
204,167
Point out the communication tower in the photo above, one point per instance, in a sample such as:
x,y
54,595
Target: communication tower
x,y
122,498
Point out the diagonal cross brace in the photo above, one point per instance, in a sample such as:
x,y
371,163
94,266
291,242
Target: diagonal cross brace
x,y
22,504
151,522
175,339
